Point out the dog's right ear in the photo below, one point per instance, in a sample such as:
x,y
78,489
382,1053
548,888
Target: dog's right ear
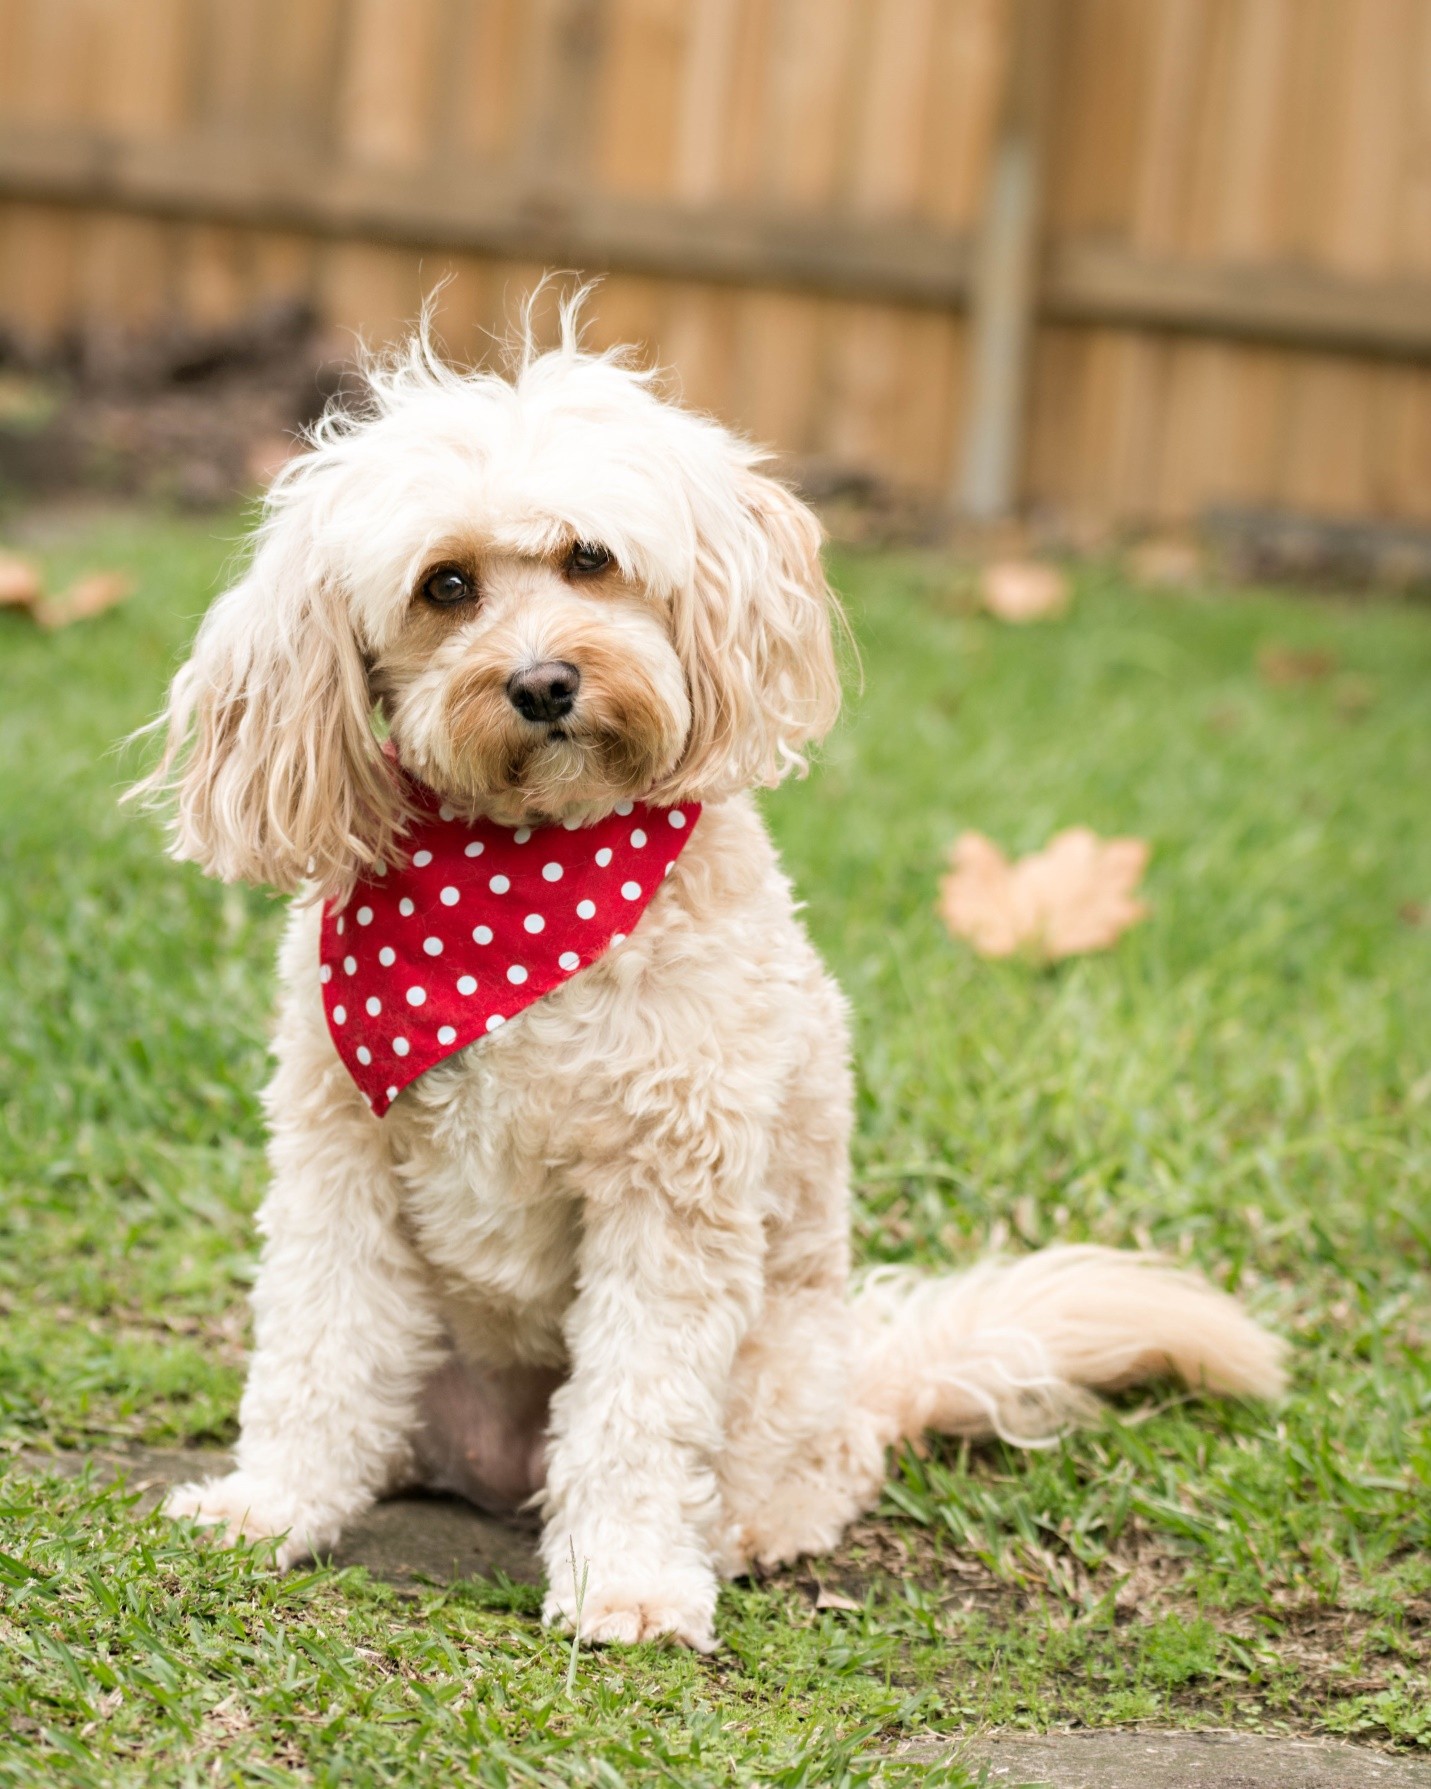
x,y
270,755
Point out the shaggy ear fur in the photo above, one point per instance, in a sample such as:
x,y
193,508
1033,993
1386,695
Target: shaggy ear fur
x,y
269,748
755,634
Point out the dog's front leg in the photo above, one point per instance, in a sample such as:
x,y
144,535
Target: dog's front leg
x,y
344,1335
666,1293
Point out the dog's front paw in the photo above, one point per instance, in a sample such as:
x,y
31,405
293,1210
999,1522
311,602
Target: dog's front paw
x,y
241,1507
681,1607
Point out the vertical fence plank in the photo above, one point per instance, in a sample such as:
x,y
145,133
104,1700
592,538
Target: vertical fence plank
x,y
965,66
487,77
564,67
385,119
39,273
704,99
637,128
815,85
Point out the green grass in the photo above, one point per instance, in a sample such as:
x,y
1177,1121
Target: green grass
x,y
1245,1080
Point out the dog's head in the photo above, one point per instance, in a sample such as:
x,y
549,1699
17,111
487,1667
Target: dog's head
x,y
552,592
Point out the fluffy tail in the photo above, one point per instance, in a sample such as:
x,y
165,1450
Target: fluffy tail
x,y
1016,1349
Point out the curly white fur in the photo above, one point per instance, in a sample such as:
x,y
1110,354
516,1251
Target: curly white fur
x,y
604,1255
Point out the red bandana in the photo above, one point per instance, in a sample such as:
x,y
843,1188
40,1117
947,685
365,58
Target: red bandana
x,y
481,922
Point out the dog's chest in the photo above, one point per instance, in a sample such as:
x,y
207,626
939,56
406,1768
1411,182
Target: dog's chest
x,y
661,1066
496,1228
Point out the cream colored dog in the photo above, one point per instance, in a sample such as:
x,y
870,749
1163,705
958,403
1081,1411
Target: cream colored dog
x,y
600,1258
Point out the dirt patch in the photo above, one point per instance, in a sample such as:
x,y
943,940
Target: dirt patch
x,y
197,418
1337,1650
405,1541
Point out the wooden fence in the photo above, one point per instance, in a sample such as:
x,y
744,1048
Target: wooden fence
x,y
1120,258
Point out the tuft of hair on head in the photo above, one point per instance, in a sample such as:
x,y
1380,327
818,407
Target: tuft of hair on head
x,y
524,343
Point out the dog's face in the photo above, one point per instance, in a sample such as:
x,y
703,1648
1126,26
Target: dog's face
x,y
533,686
551,593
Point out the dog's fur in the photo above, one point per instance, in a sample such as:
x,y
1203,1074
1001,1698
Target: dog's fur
x,y
601,1257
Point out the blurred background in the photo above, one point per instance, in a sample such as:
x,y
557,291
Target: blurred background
x,y
1109,264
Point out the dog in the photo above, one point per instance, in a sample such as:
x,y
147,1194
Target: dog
x,y
595,1256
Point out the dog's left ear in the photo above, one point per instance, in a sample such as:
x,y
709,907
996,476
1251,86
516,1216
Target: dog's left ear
x,y
755,633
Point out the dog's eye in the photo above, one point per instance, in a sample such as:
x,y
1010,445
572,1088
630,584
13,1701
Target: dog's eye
x,y
586,559
448,586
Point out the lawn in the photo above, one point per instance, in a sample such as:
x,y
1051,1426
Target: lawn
x,y
1245,1082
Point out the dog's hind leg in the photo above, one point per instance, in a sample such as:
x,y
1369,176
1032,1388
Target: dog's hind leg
x,y
800,1462
825,1384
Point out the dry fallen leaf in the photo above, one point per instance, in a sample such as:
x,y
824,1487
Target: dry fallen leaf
x,y
1022,590
90,595
1167,562
1075,895
832,1599
19,582
1285,667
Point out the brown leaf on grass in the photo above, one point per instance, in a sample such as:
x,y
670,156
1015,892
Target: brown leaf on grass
x,y
1023,590
832,1599
1415,913
90,595
1166,562
1075,895
20,584
1288,667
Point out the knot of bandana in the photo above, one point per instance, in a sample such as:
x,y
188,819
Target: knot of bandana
x,y
482,921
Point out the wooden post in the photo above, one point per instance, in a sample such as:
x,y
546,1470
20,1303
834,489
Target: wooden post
x,y
1006,270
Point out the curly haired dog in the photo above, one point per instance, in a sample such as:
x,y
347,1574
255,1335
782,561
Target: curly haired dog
x,y
599,1257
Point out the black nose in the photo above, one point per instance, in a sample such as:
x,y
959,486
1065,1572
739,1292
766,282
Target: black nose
x,y
544,692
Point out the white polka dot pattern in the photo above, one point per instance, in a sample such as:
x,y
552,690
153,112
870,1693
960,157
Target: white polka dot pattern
x,y
481,921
